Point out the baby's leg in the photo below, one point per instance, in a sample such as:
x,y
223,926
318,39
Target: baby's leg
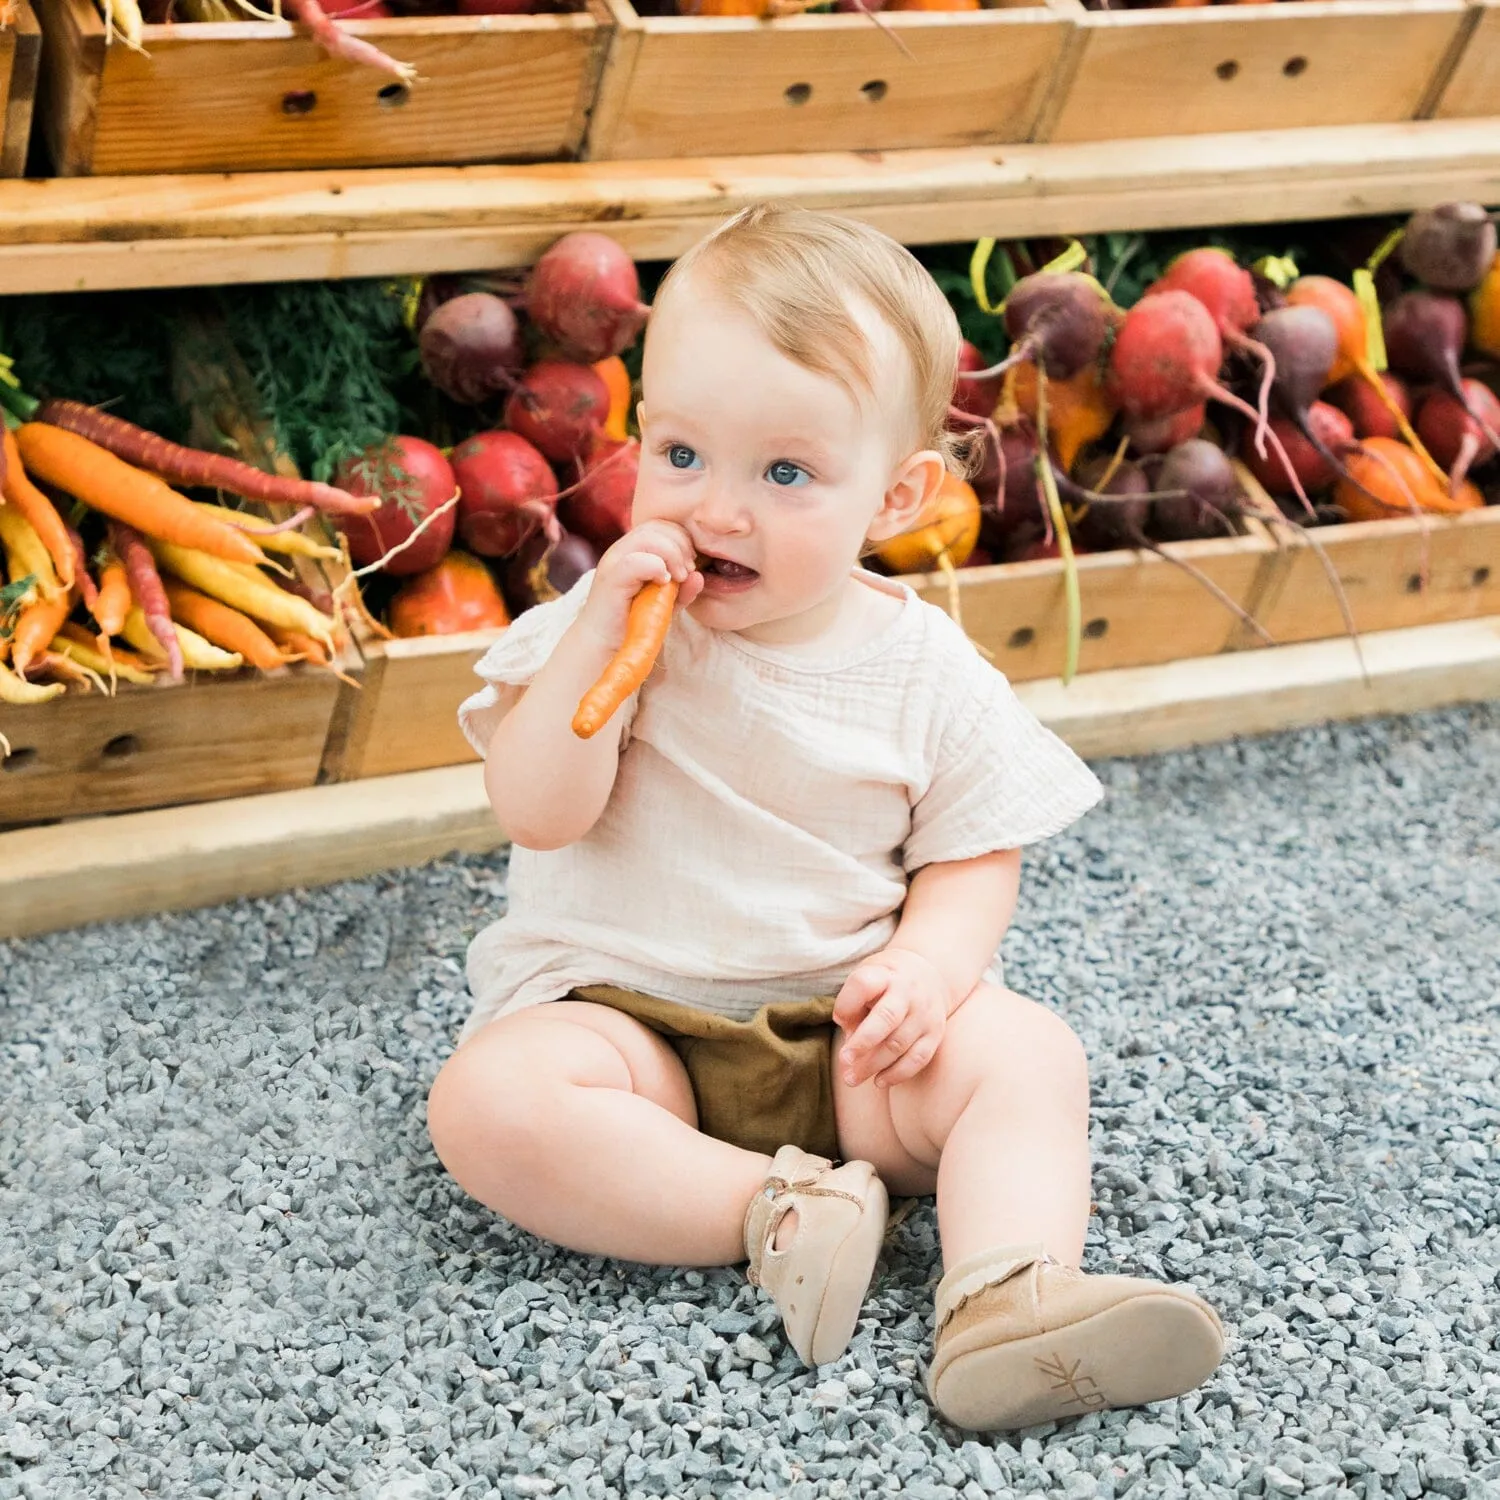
x,y
577,1122
997,1123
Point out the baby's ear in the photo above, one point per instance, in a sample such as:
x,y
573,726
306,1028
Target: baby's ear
x,y
910,492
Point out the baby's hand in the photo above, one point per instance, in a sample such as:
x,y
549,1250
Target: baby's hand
x,y
894,1010
655,552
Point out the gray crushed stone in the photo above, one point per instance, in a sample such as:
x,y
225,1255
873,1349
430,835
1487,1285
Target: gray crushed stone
x,y
230,1264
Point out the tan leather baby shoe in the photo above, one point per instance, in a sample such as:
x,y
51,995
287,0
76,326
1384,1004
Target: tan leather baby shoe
x,y
1023,1339
819,1281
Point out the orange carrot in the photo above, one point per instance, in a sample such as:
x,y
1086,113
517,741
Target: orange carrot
x,y
645,631
35,629
114,600
128,494
223,626
39,510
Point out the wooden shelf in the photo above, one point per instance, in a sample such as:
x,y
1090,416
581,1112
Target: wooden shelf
x,y
84,234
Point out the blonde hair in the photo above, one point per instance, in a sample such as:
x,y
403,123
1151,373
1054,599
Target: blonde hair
x,y
795,273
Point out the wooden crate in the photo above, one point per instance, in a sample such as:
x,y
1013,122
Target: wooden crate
x,y
1134,73
232,96
156,746
20,59
1139,610
706,86
1473,90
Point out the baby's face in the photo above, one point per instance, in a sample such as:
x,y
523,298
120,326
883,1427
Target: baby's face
x,y
775,471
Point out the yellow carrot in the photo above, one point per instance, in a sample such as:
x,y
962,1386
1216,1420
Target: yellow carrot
x,y
294,543
24,552
196,652
250,593
87,654
15,689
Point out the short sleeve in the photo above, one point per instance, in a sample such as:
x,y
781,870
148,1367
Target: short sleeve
x,y
999,777
515,659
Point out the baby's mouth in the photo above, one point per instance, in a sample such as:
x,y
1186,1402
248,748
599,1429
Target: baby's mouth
x,y
725,568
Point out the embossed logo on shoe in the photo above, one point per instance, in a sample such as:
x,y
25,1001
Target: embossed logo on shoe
x,y
1062,1375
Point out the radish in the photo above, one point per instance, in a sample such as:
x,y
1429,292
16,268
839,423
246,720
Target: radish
x,y
1449,247
560,408
471,347
585,297
1460,434
1165,358
544,569
506,493
1371,415
1424,338
598,508
1227,290
414,482
1059,319
1166,432
1212,493
976,397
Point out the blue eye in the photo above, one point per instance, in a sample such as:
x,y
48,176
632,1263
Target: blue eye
x,y
680,456
787,474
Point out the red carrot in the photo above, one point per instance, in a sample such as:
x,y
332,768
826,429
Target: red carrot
x,y
81,575
146,585
192,466
337,42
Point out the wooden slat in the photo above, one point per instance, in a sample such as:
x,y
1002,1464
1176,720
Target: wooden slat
x,y
1474,89
1203,70
823,82
127,866
301,225
18,100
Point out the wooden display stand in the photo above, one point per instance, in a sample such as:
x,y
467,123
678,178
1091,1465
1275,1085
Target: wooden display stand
x,y
20,59
677,86
227,96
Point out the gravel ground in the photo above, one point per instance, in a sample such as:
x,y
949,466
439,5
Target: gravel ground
x,y
230,1264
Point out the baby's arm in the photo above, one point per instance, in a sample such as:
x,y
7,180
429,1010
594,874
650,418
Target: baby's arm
x,y
546,785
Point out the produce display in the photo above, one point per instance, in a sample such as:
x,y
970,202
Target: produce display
x,y
472,453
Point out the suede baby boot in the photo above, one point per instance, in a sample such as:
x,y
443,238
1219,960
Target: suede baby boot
x,y
819,1281
1023,1339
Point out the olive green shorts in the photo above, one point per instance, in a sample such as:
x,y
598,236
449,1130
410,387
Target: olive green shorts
x,y
760,1084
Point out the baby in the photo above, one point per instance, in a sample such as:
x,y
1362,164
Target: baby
x,y
747,981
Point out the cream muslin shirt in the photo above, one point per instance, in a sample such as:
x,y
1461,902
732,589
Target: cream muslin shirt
x,y
769,810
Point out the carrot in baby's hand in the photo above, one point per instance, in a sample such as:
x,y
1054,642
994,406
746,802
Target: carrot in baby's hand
x,y
645,631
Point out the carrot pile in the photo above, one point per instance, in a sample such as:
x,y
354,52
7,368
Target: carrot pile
x,y
111,574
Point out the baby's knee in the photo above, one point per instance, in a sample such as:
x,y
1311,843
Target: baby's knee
x,y
484,1101
1003,1029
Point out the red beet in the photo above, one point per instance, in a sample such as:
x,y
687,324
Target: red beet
x,y
1453,436
1058,319
560,408
507,493
1166,358
413,480
1333,434
599,508
976,397
1166,432
1213,492
471,347
1118,525
544,569
1369,414
1424,338
1449,247
585,297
